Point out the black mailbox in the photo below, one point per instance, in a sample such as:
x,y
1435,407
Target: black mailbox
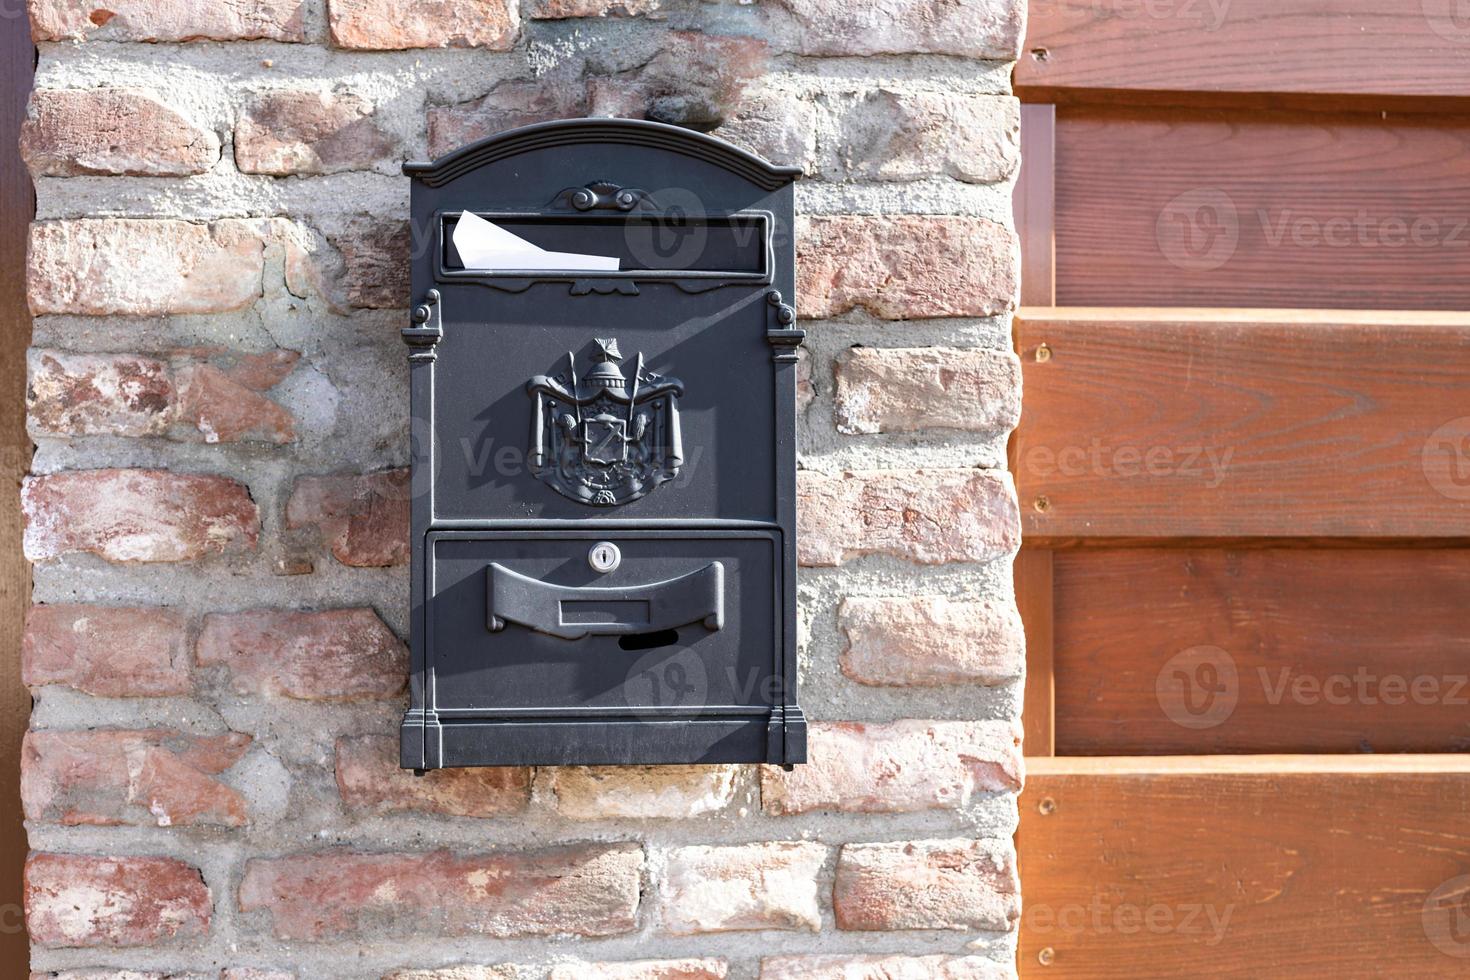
x,y
604,463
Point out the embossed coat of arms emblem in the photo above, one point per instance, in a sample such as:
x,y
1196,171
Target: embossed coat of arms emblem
x,y
606,438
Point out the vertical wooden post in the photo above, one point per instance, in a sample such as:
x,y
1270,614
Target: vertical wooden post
x,y
17,204
1035,212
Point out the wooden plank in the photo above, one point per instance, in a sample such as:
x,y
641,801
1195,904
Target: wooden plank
x,y
1034,590
1165,651
1034,202
1250,423
17,61
1363,48
1288,871
1331,210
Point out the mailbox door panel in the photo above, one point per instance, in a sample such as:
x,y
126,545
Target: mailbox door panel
x,y
521,624
574,447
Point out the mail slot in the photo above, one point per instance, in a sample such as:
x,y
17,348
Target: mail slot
x,y
602,360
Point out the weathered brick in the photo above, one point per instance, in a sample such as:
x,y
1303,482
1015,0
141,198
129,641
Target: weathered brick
x,y
508,105
81,900
898,767
925,516
106,974
690,969
842,967
777,125
69,132
880,389
461,972
144,267
989,29
363,517
387,25
900,267
254,973
304,132
336,655
563,9
368,778
156,777
896,135
186,396
639,792
362,265
932,884
584,890
107,651
697,80
927,641
137,515
167,20
740,887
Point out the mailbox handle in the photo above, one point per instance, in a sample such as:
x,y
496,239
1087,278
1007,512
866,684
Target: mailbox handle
x,y
572,613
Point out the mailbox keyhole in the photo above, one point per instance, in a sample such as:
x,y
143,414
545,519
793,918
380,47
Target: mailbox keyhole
x,y
649,641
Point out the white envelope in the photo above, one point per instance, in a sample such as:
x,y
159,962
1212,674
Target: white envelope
x,y
485,246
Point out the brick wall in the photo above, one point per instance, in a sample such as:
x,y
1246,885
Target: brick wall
x,y
218,515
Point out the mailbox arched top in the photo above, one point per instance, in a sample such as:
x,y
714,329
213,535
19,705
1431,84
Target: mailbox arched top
x,y
630,132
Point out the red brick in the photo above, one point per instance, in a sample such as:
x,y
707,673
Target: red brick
x,y
137,515
913,389
107,651
563,9
362,265
368,778
183,396
988,29
934,884
896,135
583,890
927,641
337,655
167,20
899,767
301,132
639,792
363,517
690,969
144,267
386,25
69,132
926,516
81,900
507,106
900,267
155,777
741,887
843,967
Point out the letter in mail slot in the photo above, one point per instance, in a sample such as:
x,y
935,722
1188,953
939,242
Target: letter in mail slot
x,y
605,438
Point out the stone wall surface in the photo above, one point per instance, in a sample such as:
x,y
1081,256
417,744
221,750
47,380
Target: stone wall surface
x,y
218,510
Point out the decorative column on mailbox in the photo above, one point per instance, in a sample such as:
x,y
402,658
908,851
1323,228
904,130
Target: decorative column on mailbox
x,y
604,452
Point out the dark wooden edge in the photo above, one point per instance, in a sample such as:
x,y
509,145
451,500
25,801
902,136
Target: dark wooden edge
x,y
17,204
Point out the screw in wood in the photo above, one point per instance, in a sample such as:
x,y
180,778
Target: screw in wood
x,y
1047,806
1043,354
1046,956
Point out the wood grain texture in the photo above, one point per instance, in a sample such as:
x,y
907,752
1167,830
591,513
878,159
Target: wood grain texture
x,y
1034,595
1180,424
1251,209
1173,651
1211,871
1369,48
1035,204
17,62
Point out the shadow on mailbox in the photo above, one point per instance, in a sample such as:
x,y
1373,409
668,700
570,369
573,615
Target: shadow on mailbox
x,y
603,381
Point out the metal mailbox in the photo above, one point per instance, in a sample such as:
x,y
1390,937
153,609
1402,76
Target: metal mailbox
x,y
604,468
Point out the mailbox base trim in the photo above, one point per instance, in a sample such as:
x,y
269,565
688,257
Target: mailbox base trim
x,y
606,742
